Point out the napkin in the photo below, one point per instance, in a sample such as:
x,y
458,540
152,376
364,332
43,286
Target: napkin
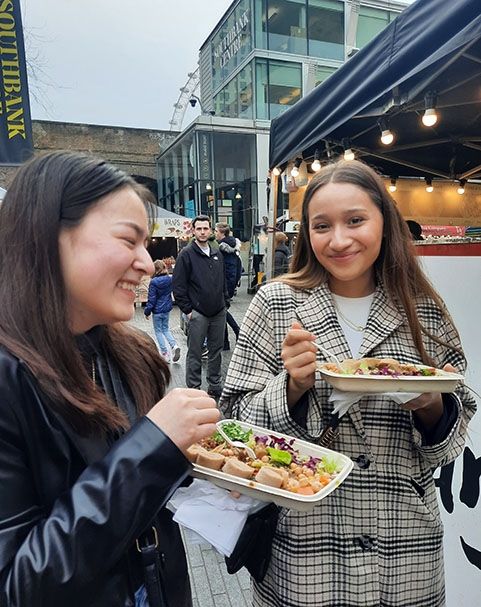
x,y
212,513
343,400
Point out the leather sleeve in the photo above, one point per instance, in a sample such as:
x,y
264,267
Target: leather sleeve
x,y
47,556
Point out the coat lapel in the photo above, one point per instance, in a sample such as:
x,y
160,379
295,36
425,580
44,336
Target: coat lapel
x,y
384,318
318,315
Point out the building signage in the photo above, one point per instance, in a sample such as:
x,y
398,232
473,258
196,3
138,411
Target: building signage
x,y
232,42
15,124
204,156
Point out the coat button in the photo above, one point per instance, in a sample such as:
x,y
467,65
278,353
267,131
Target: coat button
x,y
363,461
365,542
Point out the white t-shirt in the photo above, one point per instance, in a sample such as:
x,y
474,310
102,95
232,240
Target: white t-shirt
x,y
356,311
204,248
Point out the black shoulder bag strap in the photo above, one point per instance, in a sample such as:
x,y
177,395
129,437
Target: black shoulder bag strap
x,y
152,568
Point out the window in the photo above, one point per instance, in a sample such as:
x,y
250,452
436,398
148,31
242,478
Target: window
x,y
286,26
232,43
231,101
371,21
322,73
326,29
262,90
285,86
245,92
260,23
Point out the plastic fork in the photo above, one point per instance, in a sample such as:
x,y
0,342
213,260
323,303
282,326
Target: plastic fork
x,y
235,443
328,353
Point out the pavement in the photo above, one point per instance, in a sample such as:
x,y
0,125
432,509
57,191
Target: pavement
x,y
211,585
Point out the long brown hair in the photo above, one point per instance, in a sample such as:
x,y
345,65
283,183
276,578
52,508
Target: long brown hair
x,y
397,265
49,193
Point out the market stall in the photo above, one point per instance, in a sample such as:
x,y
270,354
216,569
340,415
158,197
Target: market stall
x,y
416,85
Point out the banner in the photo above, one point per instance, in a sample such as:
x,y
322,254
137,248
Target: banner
x,y
16,144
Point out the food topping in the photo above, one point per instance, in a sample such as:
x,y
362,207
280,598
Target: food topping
x,y
278,463
386,367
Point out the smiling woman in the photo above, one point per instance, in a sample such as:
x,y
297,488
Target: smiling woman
x,y
355,287
90,447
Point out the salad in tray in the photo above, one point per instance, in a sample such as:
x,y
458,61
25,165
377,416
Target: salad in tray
x,y
385,367
278,463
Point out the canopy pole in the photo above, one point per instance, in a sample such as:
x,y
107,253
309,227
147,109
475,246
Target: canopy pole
x,y
271,226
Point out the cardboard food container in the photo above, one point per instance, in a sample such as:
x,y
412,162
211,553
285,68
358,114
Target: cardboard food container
x,y
441,382
281,497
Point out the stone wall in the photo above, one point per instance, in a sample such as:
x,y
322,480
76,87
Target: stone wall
x,y
133,150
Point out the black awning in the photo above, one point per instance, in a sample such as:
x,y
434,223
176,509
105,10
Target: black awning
x,y
434,46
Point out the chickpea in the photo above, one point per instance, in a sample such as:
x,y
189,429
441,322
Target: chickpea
x,y
265,459
304,482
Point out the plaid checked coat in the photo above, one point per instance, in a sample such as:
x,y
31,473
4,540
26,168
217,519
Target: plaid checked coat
x,y
376,540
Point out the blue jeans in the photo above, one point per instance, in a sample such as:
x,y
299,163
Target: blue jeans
x,y
162,332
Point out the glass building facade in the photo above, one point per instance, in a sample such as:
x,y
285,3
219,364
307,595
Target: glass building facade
x,y
260,59
213,173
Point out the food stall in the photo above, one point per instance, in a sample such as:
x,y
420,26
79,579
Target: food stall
x,y
409,105
169,232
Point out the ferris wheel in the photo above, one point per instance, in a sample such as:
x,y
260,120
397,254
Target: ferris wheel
x,y
187,92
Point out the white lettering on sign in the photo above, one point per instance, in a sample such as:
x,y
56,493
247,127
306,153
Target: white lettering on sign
x,y
232,41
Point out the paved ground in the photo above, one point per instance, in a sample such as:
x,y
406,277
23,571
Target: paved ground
x,y
212,586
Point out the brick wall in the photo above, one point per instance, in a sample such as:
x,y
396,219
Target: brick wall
x,y
133,150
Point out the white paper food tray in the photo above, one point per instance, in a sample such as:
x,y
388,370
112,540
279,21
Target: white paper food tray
x,y
281,497
442,382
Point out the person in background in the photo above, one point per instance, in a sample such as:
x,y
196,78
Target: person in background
x,y
281,254
159,304
228,246
415,229
91,446
200,292
355,287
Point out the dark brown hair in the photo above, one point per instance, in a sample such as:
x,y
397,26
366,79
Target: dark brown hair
x,y
396,265
49,193
200,218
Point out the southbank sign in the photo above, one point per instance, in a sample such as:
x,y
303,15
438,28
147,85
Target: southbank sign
x,y
15,123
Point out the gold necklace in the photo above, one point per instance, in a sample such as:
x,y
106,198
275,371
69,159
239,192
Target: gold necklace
x,y
348,322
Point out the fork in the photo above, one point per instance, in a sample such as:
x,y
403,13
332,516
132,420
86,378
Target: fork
x,y
328,353
235,443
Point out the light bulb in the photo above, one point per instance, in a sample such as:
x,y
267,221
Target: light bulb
x,y
295,171
348,154
316,165
429,184
387,137
429,189
238,195
208,187
276,171
461,190
429,117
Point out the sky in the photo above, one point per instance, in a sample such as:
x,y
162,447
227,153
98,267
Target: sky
x,y
114,62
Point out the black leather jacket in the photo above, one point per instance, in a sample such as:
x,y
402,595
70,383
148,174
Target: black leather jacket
x,y
69,518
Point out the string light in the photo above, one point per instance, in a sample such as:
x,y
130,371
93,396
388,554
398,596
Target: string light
x,y
429,117
208,186
393,186
462,183
276,171
386,135
295,168
316,164
429,184
348,154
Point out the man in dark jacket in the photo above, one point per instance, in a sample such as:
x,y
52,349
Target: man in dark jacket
x,y
233,271
200,292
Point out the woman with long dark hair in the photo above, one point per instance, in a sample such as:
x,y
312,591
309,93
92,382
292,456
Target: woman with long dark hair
x,y
90,446
356,287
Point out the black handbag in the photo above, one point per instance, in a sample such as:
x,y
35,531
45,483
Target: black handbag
x,y
254,546
154,585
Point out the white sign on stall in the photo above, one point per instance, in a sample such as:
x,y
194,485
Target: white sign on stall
x,y
458,280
